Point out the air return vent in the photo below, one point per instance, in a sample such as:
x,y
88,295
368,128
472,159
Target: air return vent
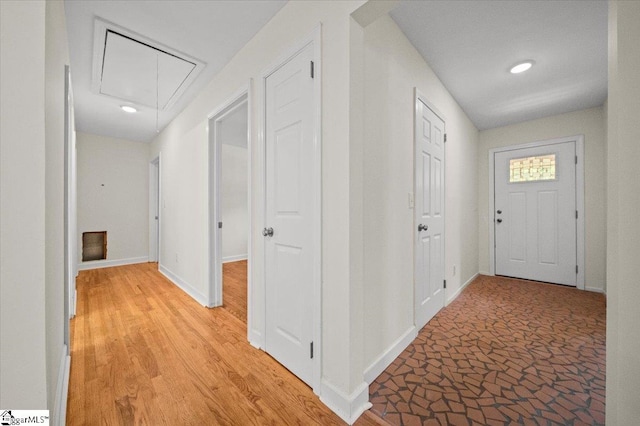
x,y
133,68
94,245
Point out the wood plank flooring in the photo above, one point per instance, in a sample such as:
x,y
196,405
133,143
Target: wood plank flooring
x,y
234,288
143,352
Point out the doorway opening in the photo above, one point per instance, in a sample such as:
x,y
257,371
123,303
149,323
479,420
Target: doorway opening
x,y
229,206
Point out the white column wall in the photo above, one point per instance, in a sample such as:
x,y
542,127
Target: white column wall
x,y
393,68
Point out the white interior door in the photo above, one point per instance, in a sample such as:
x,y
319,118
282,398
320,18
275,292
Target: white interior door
x,y
535,213
429,214
290,255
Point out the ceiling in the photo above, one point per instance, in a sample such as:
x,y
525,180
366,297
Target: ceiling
x,y
471,45
181,32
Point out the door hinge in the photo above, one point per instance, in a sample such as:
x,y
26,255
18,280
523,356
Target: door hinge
x,y
445,283
576,269
445,137
311,69
576,214
311,349
220,225
576,159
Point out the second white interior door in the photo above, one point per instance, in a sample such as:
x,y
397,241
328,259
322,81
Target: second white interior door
x,y
290,214
429,214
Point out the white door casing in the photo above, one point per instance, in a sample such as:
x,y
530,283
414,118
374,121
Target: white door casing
x,y
292,213
154,210
429,212
536,221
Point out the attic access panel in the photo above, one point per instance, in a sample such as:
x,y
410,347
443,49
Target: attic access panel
x,y
133,68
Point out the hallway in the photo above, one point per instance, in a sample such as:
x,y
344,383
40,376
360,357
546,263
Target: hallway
x,y
143,352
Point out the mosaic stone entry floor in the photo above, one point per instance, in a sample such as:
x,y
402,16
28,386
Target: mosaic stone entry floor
x,y
506,351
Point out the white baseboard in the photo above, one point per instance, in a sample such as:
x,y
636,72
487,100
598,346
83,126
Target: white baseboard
x,y
96,264
59,414
596,290
383,361
347,407
235,258
182,284
462,287
255,339
485,273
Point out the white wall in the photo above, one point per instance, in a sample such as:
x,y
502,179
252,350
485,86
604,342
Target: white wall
x,y
234,202
32,202
623,205
56,57
234,206
113,196
591,124
392,69
23,378
183,143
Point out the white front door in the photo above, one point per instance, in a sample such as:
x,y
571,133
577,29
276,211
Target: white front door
x,y
429,214
535,213
291,257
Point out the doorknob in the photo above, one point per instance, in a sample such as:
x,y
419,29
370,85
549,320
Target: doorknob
x,y
267,232
499,220
422,227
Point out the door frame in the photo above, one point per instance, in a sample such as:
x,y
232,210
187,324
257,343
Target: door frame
x,y
214,257
154,197
420,97
70,210
258,334
579,181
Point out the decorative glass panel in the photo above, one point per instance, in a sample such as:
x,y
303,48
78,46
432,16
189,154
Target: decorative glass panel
x,y
532,169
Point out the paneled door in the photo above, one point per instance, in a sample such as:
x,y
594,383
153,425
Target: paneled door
x,y
291,214
429,213
535,213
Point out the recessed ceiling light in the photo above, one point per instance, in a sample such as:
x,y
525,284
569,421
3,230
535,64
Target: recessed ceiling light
x,y
129,109
521,67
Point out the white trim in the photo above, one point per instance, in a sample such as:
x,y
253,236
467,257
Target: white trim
x,y
580,235
462,287
214,253
97,264
154,196
183,285
596,290
250,194
257,336
580,230
347,407
62,389
388,356
236,258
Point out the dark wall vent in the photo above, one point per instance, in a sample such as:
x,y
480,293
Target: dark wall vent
x,y
94,245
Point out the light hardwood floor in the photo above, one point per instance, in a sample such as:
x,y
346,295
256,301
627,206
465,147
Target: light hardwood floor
x,y
143,352
234,288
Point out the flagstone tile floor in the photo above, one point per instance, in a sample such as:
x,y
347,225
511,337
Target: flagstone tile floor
x,y
506,351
